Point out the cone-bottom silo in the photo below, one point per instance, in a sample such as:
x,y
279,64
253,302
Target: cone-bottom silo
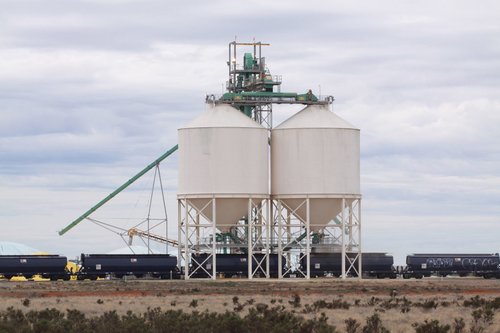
x,y
315,188
223,180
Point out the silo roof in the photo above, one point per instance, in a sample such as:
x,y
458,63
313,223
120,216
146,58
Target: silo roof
x,y
315,116
222,116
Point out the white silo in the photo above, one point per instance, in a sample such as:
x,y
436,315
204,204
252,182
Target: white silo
x,y
315,178
223,174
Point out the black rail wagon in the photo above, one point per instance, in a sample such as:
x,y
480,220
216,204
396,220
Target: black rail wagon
x,y
374,264
48,266
95,266
419,265
230,265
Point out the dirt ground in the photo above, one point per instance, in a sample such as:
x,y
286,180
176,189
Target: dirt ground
x,y
364,297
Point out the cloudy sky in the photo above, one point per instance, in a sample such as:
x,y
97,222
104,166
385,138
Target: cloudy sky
x,y
93,91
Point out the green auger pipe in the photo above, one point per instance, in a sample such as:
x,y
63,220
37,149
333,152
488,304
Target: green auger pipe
x,y
118,190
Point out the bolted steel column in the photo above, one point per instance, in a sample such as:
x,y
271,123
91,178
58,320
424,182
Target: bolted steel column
x,y
186,241
179,236
214,239
249,239
268,234
280,248
360,268
308,239
342,227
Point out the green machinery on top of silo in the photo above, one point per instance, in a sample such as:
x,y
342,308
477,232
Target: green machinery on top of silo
x,y
252,89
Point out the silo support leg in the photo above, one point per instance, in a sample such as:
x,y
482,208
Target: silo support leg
x,y
360,261
280,245
308,239
268,234
343,245
214,239
249,239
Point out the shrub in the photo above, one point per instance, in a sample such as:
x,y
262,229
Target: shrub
x,y
475,302
295,301
48,320
432,326
261,307
334,304
26,302
351,325
319,304
373,301
194,303
495,303
406,306
405,309
390,303
429,304
277,319
339,304
133,323
374,325
12,319
458,325
481,319
308,309
238,307
259,319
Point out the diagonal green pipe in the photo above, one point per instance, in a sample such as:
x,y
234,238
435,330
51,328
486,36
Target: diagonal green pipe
x,y
118,190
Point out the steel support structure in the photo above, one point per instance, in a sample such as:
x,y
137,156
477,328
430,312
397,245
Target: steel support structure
x,y
194,238
293,236
350,224
296,235
259,229
198,235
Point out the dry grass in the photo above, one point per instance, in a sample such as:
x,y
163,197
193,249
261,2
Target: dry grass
x,y
385,297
